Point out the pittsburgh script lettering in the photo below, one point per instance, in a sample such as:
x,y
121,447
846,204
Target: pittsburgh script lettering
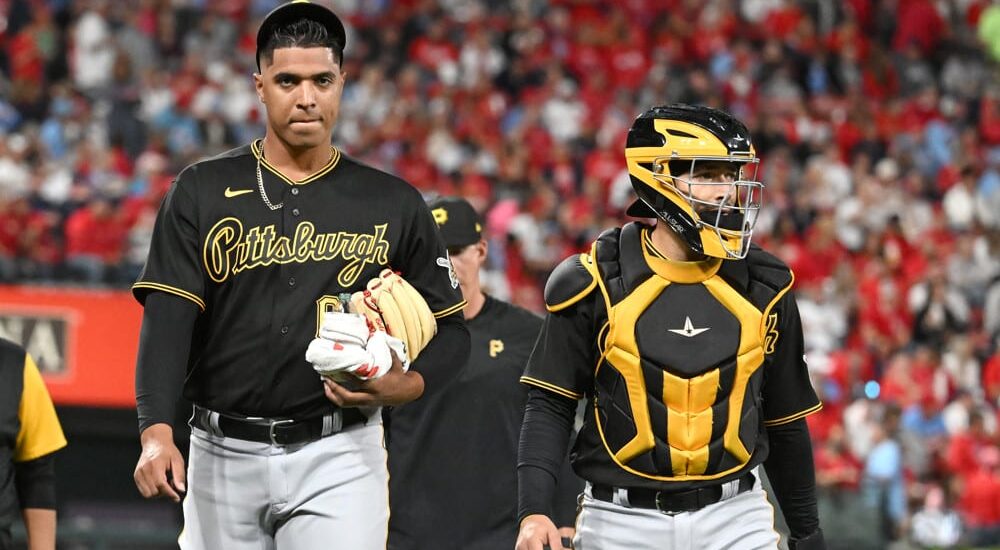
x,y
229,250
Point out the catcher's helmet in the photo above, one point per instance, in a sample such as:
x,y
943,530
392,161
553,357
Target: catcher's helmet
x,y
676,143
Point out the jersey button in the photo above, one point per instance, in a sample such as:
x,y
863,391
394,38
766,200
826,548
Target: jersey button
x,y
284,330
291,281
295,190
295,211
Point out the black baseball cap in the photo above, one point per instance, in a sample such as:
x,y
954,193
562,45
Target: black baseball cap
x,y
292,12
458,221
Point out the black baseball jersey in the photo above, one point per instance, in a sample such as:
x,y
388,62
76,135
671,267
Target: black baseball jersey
x,y
684,364
453,477
29,428
264,257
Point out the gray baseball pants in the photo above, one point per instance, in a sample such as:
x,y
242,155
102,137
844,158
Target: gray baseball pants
x,y
744,522
330,494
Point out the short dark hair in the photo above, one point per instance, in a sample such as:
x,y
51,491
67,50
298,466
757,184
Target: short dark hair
x,y
303,33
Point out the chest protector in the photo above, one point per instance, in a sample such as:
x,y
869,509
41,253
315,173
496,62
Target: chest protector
x,y
682,351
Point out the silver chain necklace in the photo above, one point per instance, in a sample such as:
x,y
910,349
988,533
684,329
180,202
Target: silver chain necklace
x,y
260,185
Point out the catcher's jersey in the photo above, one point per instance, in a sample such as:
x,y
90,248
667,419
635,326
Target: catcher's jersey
x,y
684,364
452,467
264,265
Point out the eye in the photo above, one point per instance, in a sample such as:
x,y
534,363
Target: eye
x,y
324,81
285,81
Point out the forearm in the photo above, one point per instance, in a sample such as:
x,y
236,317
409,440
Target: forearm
x,y
40,524
35,483
164,345
548,421
792,474
568,489
445,353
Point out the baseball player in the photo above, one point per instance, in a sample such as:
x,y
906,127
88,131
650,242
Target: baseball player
x,y
453,454
250,251
29,435
686,342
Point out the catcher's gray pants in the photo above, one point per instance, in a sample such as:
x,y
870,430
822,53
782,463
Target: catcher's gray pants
x,y
745,521
331,494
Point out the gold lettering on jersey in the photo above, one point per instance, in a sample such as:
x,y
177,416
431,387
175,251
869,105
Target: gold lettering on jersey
x,y
496,347
229,250
770,333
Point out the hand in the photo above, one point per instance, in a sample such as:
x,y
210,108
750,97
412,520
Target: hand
x,y
393,388
538,531
160,471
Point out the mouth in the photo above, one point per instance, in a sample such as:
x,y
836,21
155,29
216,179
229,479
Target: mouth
x,y
305,122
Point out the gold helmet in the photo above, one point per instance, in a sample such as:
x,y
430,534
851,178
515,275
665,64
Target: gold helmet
x,y
696,146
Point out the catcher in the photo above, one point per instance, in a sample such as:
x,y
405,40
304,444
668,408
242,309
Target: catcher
x,y
687,345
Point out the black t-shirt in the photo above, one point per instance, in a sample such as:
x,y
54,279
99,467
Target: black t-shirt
x,y
453,454
263,276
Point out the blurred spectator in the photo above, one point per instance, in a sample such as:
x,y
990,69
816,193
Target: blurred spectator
x,y
883,476
936,525
93,53
939,309
94,239
980,501
966,447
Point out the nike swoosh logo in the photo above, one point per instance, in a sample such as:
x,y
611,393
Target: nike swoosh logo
x,y
230,193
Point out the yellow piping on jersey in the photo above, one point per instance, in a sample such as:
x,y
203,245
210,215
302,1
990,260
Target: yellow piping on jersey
x,y
793,417
172,290
551,387
255,147
448,311
588,264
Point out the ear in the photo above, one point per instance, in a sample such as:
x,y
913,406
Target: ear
x,y
258,84
482,248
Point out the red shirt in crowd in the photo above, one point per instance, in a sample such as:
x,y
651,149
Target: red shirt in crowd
x,y
96,231
980,501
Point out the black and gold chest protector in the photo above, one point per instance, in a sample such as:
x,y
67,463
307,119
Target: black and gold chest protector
x,y
678,381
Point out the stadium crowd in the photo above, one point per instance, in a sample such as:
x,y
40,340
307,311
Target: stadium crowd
x,y
877,121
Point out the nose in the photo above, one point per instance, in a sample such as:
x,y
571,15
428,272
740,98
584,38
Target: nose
x,y
307,95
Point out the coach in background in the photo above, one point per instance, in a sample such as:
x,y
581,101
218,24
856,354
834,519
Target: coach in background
x,y
453,453
29,435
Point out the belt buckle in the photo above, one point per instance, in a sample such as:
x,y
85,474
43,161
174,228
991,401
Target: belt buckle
x,y
662,510
272,426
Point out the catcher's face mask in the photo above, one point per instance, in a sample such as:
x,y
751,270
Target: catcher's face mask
x,y
695,169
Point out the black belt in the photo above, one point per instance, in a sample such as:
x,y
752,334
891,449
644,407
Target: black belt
x,y
277,431
672,502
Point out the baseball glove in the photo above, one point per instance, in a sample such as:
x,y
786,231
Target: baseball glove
x,y
393,305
